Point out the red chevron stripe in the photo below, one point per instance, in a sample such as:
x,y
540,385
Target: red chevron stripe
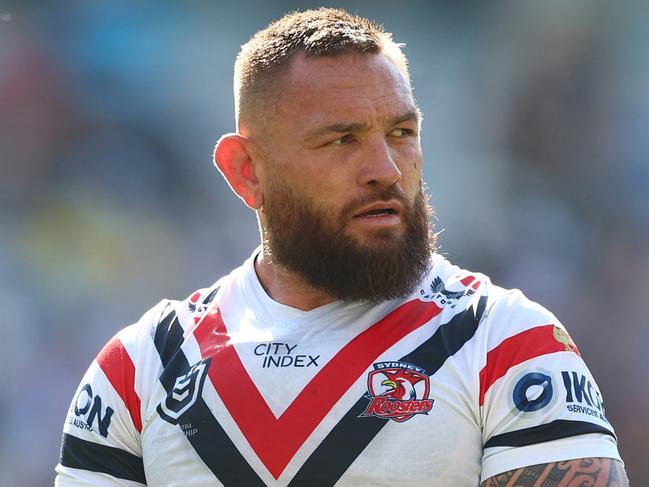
x,y
116,363
276,440
518,348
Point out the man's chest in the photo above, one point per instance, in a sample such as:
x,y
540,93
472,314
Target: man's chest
x,y
375,410
345,449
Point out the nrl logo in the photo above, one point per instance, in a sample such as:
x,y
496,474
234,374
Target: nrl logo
x,y
397,391
442,296
186,391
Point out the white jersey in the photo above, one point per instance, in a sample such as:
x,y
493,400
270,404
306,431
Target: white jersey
x,y
459,382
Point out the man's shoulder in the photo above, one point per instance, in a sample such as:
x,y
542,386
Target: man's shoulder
x,y
168,318
188,310
447,283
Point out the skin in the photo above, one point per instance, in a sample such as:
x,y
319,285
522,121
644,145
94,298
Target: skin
x,y
591,472
342,126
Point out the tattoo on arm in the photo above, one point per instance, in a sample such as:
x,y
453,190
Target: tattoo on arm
x,y
584,472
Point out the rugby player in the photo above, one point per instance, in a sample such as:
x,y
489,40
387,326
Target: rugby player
x,y
345,351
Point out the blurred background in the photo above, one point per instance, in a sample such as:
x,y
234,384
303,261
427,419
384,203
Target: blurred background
x,y
536,140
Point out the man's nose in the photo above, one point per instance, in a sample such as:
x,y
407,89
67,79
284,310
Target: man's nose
x,y
379,166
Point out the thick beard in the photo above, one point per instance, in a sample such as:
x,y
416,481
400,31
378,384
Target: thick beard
x,y
303,239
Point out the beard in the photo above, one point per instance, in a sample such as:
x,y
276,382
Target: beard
x,y
313,244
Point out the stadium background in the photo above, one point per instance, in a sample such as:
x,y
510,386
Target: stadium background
x,y
536,140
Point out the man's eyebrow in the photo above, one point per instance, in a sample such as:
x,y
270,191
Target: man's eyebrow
x,y
410,115
338,128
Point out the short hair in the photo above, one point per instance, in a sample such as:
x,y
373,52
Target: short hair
x,y
321,32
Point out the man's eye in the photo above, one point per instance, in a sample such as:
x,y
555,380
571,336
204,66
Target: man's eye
x,y
345,139
402,132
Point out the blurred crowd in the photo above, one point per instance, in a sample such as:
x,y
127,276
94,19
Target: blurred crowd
x,y
536,141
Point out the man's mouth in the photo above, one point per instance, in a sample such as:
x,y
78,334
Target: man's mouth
x,y
373,213
381,213
380,209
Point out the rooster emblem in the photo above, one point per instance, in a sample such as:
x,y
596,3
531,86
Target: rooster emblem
x,y
400,386
397,391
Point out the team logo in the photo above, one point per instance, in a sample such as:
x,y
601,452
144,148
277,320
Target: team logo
x,y
397,391
442,296
186,391
532,392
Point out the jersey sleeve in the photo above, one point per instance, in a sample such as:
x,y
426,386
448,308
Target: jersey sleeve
x,y
538,401
101,436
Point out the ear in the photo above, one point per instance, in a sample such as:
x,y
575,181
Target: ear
x,y
232,157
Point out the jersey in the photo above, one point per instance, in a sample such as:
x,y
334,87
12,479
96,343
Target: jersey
x,y
458,382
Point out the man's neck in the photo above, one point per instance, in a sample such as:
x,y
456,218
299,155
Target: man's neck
x,y
287,287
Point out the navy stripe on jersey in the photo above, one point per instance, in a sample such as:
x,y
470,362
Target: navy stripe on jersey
x,y
168,337
351,435
211,442
560,428
86,455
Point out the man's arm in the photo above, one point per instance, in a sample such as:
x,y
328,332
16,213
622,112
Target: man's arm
x,y
101,435
594,472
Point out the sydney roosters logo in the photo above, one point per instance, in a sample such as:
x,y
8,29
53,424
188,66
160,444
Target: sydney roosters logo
x,y
397,391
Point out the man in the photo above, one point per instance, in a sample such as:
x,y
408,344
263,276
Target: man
x,y
344,351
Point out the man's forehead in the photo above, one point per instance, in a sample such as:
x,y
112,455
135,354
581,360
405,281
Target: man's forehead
x,y
348,88
344,70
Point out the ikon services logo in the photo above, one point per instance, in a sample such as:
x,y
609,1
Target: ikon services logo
x,y
397,391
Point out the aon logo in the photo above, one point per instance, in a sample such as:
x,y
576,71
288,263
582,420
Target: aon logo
x,y
88,406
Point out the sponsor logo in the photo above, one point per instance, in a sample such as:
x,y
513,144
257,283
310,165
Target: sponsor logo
x,y
186,391
532,392
582,395
193,304
88,406
535,390
397,391
280,355
443,297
